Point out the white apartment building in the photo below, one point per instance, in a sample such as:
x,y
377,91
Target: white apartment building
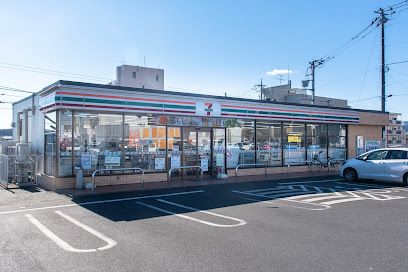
x,y
394,131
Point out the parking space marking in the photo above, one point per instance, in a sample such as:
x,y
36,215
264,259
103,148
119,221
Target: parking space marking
x,y
64,245
321,207
101,202
374,186
291,206
240,221
342,200
307,182
308,200
301,192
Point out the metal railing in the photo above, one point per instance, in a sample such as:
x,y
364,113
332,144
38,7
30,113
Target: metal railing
x,y
297,163
114,170
4,167
333,162
20,170
185,167
249,164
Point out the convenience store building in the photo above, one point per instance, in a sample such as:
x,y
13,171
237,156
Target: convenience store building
x,y
95,126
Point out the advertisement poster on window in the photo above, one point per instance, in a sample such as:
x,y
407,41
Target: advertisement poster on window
x,y
219,160
159,163
204,163
175,161
111,161
86,161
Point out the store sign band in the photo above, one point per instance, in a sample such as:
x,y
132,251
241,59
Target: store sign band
x,y
190,121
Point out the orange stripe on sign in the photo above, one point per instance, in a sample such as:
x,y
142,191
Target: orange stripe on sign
x,y
125,97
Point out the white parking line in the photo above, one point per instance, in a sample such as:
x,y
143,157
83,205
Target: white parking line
x,y
286,205
364,185
109,242
64,245
324,198
269,189
306,182
342,201
101,202
240,221
323,207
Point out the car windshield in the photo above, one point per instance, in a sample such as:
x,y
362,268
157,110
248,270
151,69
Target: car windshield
x,y
362,156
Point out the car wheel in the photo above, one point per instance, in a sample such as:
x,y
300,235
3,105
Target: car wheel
x,y
405,179
350,174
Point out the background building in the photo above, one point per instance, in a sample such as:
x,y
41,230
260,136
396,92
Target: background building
x,y
139,77
395,134
285,93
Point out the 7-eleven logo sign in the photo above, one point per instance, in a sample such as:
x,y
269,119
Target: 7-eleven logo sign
x,y
208,109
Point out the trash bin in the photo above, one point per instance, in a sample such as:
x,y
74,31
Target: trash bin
x,y
79,174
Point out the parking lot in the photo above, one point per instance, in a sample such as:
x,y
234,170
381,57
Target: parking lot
x,y
314,224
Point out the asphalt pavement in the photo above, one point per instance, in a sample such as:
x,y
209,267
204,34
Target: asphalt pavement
x,y
313,224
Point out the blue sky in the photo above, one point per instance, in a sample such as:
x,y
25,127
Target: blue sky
x,y
212,47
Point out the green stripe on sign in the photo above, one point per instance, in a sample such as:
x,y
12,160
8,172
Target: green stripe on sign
x,y
130,103
290,114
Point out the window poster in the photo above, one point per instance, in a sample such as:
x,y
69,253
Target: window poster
x,y
86,161
159,163
204,163
175,161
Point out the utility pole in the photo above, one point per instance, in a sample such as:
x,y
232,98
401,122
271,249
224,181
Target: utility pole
x,y
261,86
383,20
312,68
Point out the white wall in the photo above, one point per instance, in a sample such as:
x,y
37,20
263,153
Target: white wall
x,y
147,78
35,124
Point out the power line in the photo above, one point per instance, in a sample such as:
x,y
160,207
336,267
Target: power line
x,y
368,64
11,89
343,47
398,62
7,65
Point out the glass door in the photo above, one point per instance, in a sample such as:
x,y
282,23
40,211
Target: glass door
x,y
197,148
204,149
218,151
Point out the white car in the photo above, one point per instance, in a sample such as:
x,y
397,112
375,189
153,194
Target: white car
x,y
390,164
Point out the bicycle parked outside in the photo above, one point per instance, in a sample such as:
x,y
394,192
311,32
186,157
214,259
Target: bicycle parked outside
x,y
317,165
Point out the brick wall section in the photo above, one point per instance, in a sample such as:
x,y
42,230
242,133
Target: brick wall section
x,y
269,170
370,127
55,183
373,133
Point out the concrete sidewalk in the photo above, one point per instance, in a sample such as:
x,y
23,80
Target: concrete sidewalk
x,y
178,183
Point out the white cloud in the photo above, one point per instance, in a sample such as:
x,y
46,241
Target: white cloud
x,y
278,72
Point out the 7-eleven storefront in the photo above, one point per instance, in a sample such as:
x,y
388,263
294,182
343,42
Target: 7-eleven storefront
x,y
96,126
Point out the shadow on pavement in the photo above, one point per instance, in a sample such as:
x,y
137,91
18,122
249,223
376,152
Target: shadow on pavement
x,y
136,206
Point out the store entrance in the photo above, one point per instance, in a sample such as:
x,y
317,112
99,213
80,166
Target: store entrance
x,y
197,148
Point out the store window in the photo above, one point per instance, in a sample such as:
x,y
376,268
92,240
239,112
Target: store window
x,y
174,147
316,141
65,143
145,144
240,142
97,141
50,134
337,141
294,143
269,146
